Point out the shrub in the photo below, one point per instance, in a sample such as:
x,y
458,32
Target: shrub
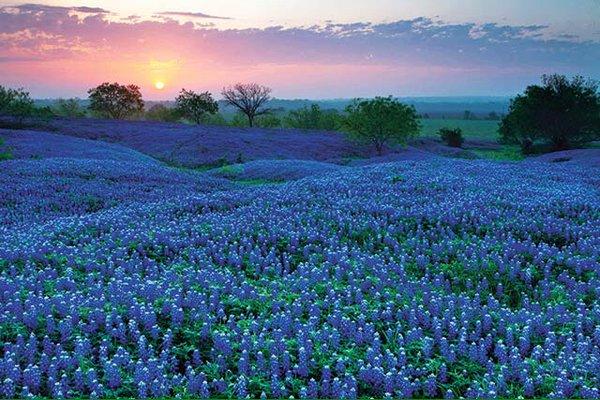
x,y
194,106
160,112
381,121
560,113
452,137
4,153
268,121
116,101
312,118
70,108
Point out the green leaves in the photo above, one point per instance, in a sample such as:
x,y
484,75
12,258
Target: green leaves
x,y
560,113
116,101
381,121
15,103
194,106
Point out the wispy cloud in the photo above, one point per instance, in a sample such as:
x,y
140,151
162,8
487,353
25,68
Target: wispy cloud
x,y
190,15
33,7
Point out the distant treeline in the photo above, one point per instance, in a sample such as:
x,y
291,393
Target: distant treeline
x,y
428,107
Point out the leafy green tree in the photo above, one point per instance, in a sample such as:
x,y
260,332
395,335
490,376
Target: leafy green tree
x,y
452,137
559,112
116,101
16,103
381,121
160,112
194,106
248,98
70,108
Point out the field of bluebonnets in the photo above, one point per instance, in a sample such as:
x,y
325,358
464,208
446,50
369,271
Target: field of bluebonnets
x,y
429,277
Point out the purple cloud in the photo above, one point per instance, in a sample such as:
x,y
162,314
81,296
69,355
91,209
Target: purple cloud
x,y
190,15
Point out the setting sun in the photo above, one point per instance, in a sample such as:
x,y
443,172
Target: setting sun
x,y
159,85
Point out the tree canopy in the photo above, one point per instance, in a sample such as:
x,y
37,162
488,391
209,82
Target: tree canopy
x,y
559,112
194,106
116,101
15,103
381,121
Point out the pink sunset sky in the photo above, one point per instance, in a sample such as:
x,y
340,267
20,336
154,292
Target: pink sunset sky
x,y
303,49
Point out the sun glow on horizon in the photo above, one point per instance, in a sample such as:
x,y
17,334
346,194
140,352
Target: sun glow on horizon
x,y
159,85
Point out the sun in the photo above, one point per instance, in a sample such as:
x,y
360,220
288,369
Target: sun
x,y
159,85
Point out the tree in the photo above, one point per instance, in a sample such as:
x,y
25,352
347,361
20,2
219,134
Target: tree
x,y
381,121
116,101
15,103
560,112
70,108
160,112
249,98
452,137
194,106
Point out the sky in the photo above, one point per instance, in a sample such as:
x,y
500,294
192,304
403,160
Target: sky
x,y
301,48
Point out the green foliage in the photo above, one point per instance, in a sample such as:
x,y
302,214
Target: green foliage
x,y
239,120
268,121
452,137
4,153
312,118
214,119
160,112
560,112
115,101
15,103
193,106
69,108
381,121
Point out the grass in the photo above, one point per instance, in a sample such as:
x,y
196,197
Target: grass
x,y
505,153
472,129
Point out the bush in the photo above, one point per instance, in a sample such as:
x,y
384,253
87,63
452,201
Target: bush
x,y
160,112
70,108
216,119
381,121
452,137
268,121
4,153
560,113
312,118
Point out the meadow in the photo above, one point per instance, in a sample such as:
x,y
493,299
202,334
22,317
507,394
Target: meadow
x,y
127,272
479,129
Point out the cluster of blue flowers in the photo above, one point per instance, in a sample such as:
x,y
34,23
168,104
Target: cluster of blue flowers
x,y
441,278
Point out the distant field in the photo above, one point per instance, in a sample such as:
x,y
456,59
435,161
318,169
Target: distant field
x,y
472,129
